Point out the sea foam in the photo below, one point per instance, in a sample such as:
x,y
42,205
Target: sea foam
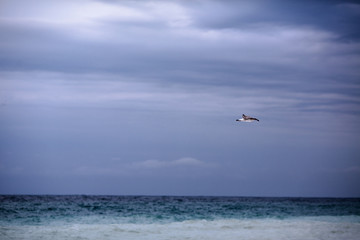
x,y
297,228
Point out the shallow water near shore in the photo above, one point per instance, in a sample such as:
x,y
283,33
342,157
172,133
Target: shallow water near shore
x,y
166,217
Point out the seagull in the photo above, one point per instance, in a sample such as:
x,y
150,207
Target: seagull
x,y
247,119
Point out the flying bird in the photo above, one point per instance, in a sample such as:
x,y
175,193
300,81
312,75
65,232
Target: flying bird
x,y
247,119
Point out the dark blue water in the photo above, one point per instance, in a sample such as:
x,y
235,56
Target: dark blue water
x,y
44,209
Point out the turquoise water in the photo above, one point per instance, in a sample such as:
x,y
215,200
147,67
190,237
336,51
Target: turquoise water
x,y
165,217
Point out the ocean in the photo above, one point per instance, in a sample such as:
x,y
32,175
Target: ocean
x,y
169,217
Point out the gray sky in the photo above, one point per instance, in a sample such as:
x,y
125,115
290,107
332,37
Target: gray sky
x,y
141,97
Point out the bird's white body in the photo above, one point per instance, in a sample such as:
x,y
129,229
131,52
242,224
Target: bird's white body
x,y
244,120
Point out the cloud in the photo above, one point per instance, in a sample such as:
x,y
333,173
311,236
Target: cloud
x,y
112,44
157,80
159,55
118,168
182,162
106,91
336,16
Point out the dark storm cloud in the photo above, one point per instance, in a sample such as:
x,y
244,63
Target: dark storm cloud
x,y
159,45
276,48
335,16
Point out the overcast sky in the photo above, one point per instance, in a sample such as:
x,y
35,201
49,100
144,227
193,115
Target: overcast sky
x,y
141,97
